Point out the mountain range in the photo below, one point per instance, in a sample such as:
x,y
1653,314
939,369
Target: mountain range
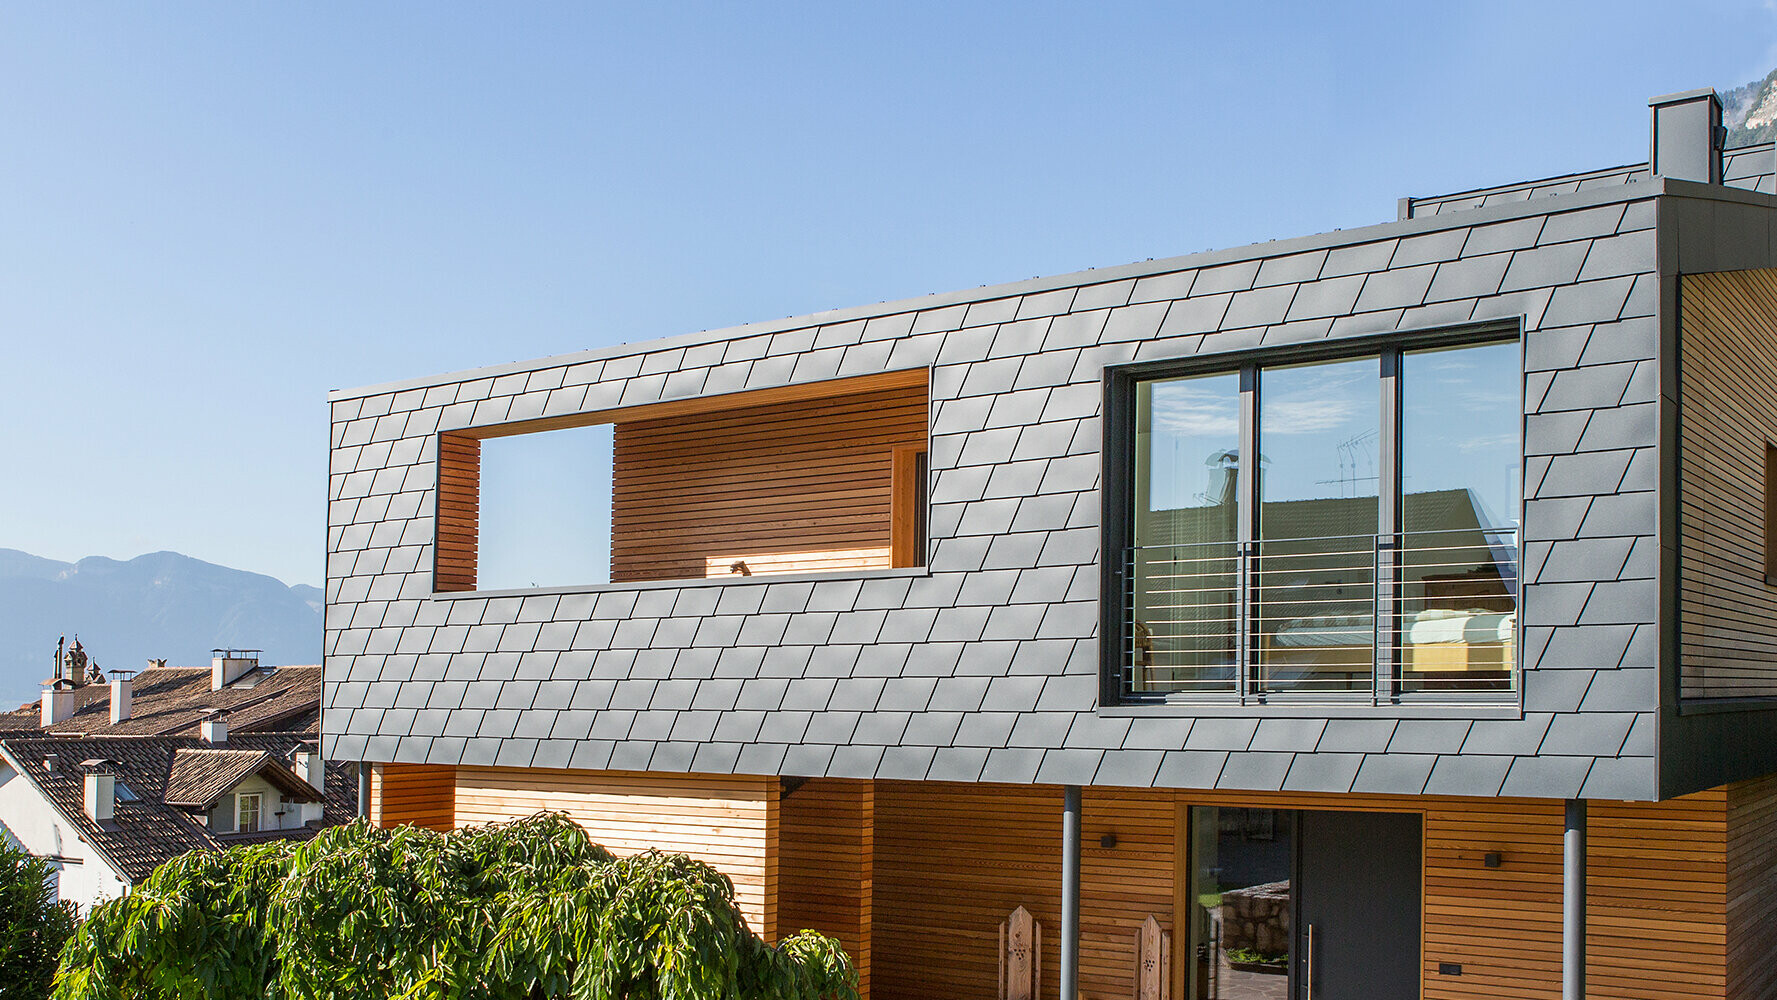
x,y
163,606
1750,112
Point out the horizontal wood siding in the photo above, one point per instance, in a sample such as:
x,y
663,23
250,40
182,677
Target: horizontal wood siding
x,y
730,821
952,861
459,512
413,794
1752,888
826,849
1656,909
791,486
1727,414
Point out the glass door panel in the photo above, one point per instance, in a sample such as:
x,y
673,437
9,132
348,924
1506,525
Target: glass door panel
x,y
1183,567
1457,613
1319,469
1240,903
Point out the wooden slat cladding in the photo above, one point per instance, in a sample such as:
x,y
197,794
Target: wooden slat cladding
x,y
1752,888
1667,917
1656,907
1728,613
730,821
952,861
459,513
826,847
413,794
783,486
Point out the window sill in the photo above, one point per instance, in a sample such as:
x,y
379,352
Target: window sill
x,y
1313,710
1718,706
905,572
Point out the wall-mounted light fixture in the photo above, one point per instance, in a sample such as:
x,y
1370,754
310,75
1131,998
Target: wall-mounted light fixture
x,y
1493,859
1108,841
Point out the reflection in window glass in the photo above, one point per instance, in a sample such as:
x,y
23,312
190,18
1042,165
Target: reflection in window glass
x,y
1240,905
1460,418
247,813
545,509
1320,443
1186,457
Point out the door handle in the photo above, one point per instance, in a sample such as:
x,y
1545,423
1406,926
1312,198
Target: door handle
x,y
1308,964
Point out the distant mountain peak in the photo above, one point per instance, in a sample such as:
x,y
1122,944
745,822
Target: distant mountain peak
x,y
1750,112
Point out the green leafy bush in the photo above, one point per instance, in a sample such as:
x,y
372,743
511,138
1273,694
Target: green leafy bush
x,y
32,925
529,910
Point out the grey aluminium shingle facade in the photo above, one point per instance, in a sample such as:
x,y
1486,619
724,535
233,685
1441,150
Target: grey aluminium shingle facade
x,y
985,665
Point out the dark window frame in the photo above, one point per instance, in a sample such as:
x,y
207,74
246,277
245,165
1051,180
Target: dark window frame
x,y
1117,481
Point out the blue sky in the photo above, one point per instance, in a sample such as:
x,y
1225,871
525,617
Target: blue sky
x,y
211,214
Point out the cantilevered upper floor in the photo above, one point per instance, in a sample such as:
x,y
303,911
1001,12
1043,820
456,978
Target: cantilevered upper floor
x,y
1470,502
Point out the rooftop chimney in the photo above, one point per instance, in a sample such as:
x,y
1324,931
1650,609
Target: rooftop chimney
x,y
215,728
228,665
312,768
122,694
58,702
1688,136
101,789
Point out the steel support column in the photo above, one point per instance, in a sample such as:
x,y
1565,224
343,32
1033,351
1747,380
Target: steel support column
x,y
1070,892
1573,902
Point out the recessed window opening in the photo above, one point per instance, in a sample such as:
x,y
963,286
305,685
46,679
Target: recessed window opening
x,y
1770,513
1343,528
546,508
817,478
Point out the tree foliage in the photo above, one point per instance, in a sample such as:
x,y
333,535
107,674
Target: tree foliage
x,y
32,924
529,910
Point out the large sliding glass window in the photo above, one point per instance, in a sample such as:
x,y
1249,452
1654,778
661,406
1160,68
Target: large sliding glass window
x,y
1319,435
1183,635
1344,528
1460,469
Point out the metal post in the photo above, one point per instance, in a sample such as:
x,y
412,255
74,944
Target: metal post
x,y
1070,892
1573,902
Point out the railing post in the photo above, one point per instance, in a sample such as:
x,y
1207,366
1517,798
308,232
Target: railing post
x,y
1384,576
1070,892
1244,618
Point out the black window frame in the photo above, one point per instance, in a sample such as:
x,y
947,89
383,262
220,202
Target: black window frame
x,y
1117,484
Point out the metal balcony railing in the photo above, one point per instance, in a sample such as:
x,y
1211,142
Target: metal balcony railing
x,y
1348,617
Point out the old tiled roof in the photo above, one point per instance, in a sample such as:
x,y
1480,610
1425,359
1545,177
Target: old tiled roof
x,y
148,831
197,778
167,701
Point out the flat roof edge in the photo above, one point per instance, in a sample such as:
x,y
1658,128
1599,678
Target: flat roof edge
x,y
1140,269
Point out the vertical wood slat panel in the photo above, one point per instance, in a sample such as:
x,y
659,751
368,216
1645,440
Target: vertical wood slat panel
x,y
1728,615
730,821
795,485
825,865
413,794
459,513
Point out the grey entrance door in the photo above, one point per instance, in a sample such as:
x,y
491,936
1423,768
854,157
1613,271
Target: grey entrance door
x,y
1357,931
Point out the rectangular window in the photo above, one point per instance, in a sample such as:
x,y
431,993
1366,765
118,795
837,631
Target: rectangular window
x,y
247,812
820,477
1771,513
1341,529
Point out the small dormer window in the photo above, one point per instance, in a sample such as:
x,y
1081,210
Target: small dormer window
x,y
247,808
